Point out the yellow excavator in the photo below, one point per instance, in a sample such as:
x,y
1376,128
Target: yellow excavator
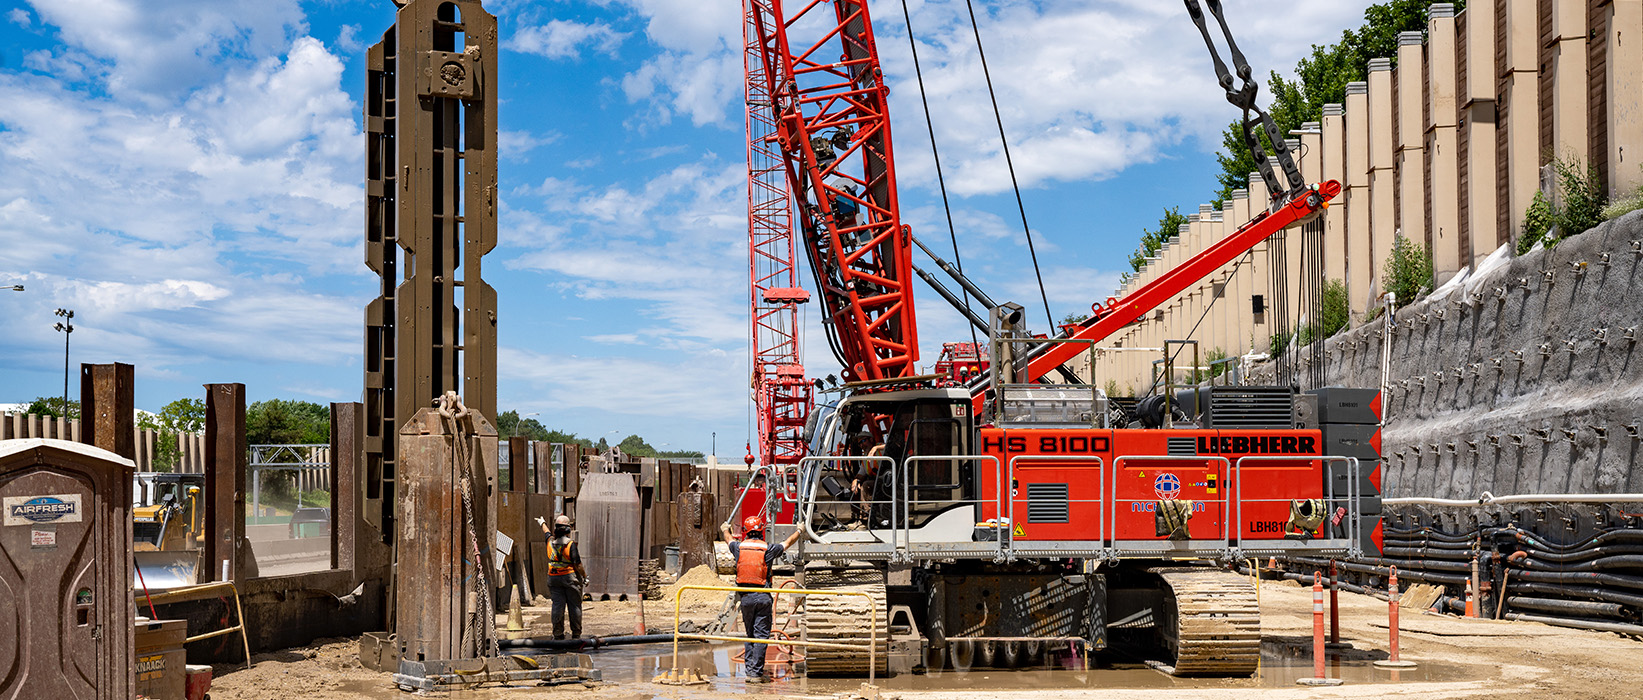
x,y
167,529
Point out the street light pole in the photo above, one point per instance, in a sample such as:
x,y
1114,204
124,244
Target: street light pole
x,y
66,326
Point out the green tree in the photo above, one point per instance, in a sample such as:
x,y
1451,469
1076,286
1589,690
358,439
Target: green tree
x,y
636,446
1153,240
1408,271
1321,79
180,416
284,422
53,406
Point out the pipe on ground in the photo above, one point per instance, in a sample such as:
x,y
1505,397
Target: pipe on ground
x,y
1584,608
584,644
1618,627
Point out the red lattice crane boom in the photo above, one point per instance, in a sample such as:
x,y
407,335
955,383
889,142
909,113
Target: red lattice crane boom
x,y
833,131
781,393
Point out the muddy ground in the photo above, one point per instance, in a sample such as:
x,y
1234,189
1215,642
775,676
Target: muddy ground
x,y
1457,659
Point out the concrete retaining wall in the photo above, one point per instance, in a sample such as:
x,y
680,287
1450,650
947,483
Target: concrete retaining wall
x,y
1528,379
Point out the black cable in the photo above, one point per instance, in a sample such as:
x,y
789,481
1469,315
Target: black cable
x,y
997,117
941,181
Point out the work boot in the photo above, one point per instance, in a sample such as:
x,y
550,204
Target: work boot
x,y
761,678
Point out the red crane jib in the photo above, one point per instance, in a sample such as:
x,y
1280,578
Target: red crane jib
x,y
1117,313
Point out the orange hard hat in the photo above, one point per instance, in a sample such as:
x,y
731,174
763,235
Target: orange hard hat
x,y
752,523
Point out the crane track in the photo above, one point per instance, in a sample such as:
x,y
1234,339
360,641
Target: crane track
x,y
844,619
1212,622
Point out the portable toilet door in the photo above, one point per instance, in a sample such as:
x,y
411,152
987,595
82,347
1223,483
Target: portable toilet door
x,y
65,571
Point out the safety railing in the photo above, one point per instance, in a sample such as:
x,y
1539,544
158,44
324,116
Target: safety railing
x,y
1351,497
1063,548
896,537
905,536
1195,544
872,634
809,496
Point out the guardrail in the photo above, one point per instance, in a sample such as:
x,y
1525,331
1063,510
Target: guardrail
x,y
813,482
1101,489
900,543
872,634
1354,547
905,537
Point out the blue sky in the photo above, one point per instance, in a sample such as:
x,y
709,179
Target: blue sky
x,y
186,175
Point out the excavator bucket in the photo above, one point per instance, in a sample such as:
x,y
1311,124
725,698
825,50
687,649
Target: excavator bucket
x,y
165,570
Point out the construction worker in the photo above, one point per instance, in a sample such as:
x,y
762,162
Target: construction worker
x,y
753,558
565,577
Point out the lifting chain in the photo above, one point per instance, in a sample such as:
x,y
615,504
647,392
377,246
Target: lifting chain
x,y
1242,96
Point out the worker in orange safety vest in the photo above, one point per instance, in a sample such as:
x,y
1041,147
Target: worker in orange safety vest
x,y
753,557
565,577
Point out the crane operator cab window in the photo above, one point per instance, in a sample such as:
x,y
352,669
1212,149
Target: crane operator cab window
x,y
922,427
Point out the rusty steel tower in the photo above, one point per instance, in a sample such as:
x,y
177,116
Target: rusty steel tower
x,y
430,217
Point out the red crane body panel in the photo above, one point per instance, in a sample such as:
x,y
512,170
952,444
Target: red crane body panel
x,y
1116,497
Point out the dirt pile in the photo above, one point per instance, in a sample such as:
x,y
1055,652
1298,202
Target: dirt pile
x,y
699,576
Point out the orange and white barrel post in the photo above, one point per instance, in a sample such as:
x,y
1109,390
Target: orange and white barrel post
x,y
1318,677
1392,661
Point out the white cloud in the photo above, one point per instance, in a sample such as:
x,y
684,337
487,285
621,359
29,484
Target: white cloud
x,y
566,39
514,145
162,50
667,389
19,17
168,169
1086,88
662,245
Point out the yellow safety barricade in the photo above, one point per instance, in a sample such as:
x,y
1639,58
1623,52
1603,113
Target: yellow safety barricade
x,y
872,635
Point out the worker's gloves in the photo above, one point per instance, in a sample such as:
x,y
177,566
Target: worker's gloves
x,y
541,521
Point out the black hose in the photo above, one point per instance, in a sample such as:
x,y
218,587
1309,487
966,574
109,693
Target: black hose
x,y
1428,564
583,644
1580,554
1625,561
1592,578
1424,553
1411,574
1563,591
1581,608
1600,539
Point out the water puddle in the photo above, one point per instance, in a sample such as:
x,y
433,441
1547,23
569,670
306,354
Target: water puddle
x,y
1282,661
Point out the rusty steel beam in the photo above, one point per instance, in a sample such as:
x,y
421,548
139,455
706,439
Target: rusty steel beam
x,y
108,408
226,454
430,123
346,419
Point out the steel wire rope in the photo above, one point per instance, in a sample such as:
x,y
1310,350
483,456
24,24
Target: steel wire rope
x,y
1010,164
941,181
